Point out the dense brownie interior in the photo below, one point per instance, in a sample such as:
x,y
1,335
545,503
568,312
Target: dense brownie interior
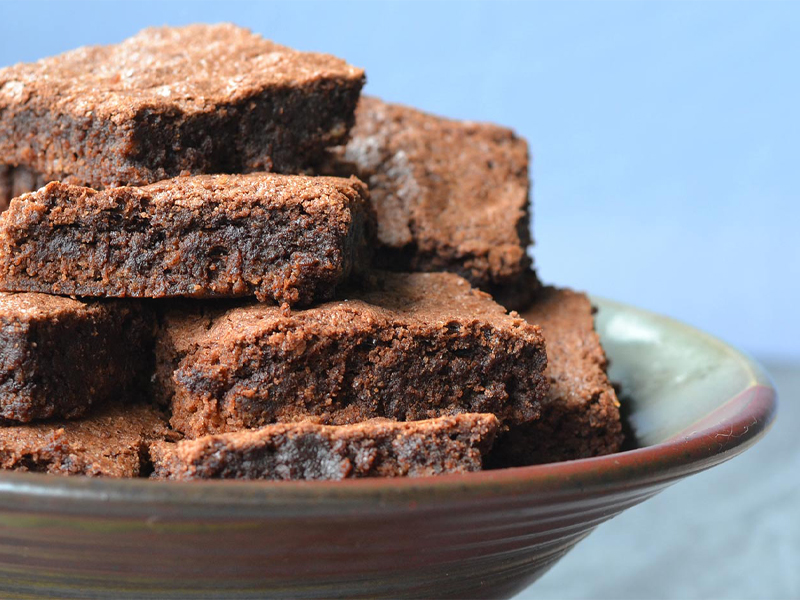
x,y
59,356
279,237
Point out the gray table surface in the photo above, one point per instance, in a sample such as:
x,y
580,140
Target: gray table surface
x,y
731,532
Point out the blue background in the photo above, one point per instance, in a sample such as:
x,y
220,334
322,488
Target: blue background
x,y
666,167
665,135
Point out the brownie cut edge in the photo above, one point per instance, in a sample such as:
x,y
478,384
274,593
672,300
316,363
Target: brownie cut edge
x,y
59,356
283,238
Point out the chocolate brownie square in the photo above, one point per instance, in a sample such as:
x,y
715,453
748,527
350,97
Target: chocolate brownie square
x,y
59,356
286,238
110,442
412,346
198,99
291,451
449,195
580,417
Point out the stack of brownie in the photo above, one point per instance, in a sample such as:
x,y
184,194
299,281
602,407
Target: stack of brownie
x,y
221,262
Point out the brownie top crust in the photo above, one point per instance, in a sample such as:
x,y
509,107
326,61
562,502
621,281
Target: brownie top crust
x,y
421,301
262,189
33,306
449,195
189,68
110,442
372,448
228,192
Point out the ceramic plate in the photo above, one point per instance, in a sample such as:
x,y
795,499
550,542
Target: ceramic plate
x,y
692,402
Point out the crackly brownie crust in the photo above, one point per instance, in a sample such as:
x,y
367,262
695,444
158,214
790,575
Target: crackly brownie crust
x,y
449,195
279,237
414,346
374,448
201,98
580,417
59,356
15,181
109,442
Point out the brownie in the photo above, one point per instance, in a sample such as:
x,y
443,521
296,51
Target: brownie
x,y
109,442
59,356
449,195
409,347
201,99
290,451
288,238
15,181
580,417
517,295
